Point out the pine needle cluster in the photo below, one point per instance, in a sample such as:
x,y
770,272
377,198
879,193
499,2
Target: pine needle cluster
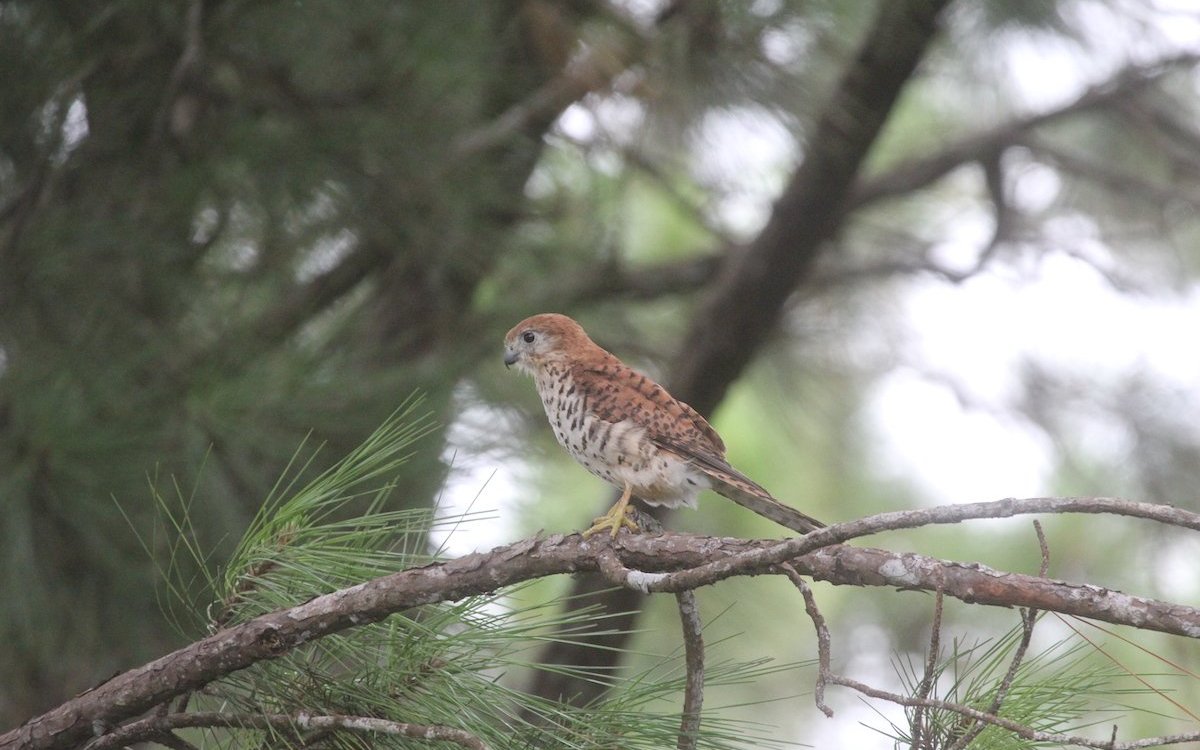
x,y
457,665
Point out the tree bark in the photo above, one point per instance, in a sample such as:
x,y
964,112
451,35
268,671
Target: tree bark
x,y
666,562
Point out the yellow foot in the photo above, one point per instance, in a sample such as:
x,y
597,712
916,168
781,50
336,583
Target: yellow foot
x,y
611,520
616,517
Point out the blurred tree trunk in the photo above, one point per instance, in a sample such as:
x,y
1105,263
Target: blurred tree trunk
x,y
225,224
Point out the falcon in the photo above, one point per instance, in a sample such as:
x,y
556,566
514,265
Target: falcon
x,y
626,429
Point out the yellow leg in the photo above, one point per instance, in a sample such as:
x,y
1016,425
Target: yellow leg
x,y
616,517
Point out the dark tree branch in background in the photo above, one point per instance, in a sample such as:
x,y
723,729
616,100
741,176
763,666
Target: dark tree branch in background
x,y
592,73
1096,169
918,173
675,562
179,110
19,210
750,292
292,313
594,69
674,277
645,282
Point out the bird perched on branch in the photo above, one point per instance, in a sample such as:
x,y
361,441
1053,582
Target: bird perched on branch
x,y
626,429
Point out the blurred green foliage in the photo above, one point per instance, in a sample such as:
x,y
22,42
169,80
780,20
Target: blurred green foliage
x,y
229,225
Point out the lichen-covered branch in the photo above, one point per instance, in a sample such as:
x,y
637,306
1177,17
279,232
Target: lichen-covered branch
x,y
662,562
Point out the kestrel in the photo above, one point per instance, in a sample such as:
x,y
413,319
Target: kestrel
x,y
626,429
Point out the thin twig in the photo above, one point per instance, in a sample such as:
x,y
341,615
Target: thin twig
x,y
188,67
909,519
154,727
921,721
693,650
823,640
1016,728
1029,617
593,70
1043,547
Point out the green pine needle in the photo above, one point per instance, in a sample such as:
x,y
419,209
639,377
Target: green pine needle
x,y
457,664
1059,689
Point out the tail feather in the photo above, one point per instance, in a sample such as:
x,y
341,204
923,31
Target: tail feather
x,y
749,495
738,487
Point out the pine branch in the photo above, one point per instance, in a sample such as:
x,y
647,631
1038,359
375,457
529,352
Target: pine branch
x,y
666,562
975,718
154,728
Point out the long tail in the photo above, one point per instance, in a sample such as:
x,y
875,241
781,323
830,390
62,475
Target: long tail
x,y
749,495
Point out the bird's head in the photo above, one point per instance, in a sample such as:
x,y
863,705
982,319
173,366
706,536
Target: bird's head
x,y
544,339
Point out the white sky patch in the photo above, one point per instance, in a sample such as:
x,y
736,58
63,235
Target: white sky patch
x,y
952,452
483,487
941,422
1046,70
577,122
748,152
786,46
1183,29
1034,186
857,720
642,11
485,500
1177,575
75,128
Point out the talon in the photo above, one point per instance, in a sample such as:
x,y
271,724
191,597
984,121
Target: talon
x,y
607,522
616,518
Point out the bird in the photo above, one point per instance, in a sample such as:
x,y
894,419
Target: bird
x,y
628,430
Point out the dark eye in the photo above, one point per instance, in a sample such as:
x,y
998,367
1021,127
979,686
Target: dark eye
x,y
528,337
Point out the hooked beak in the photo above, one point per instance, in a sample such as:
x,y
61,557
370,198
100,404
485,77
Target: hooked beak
x,y
510,357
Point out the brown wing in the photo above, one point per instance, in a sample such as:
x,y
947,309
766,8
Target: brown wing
x,y
615,392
